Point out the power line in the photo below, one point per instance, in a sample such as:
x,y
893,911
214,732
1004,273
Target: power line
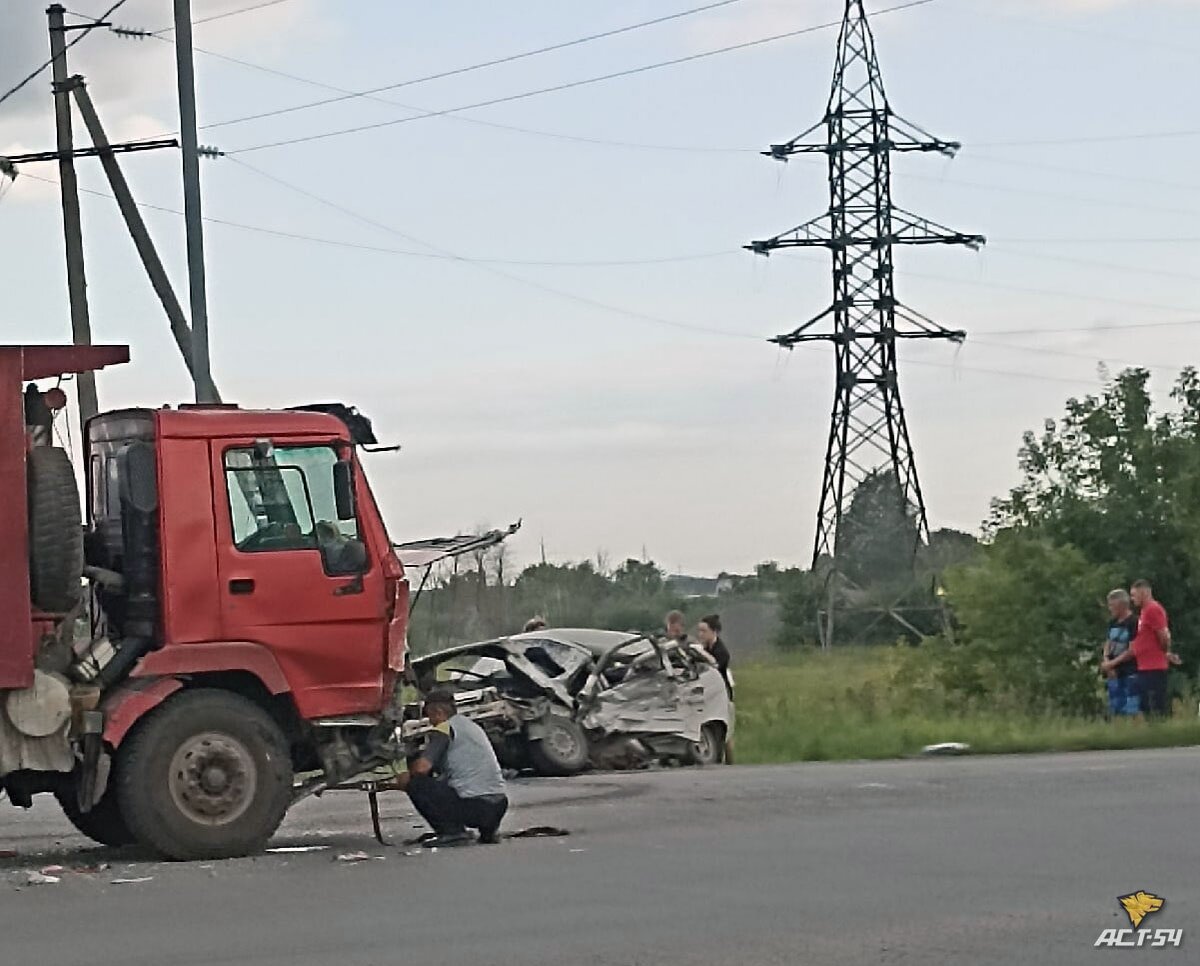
x,y
1089,139
1029,290
1008,373
556,135
570,296
569,85
1057,293
1066,353
1093,263
222,16
1053,195
1066,169
1096,329
383,250
74,40
1092,240
349,95
1023,374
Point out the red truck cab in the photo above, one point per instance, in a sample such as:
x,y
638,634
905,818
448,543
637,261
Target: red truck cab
x,y
243,619
273,559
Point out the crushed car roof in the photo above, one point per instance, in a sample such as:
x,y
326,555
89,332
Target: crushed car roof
x,y
597,642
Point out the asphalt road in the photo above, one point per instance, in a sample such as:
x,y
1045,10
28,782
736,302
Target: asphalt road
x,y
974,860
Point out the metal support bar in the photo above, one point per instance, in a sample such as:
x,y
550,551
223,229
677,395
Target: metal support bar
x,y
126,147
137,227
81,326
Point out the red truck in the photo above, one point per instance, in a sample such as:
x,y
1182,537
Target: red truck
x,y
226,616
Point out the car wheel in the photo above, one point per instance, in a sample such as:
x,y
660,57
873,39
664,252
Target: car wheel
x,y
711,746
562,748
206,776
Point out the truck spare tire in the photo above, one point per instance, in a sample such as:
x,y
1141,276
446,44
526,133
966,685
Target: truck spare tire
x,y
55,530
206,775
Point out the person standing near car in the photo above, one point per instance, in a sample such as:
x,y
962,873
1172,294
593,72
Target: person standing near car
x,y
1122,680
676,628
456,783
708,633
1150,650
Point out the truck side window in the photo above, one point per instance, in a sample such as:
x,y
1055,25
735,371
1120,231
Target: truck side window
x,y
284,501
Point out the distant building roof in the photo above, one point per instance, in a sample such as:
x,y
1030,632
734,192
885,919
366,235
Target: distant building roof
x,y
688,586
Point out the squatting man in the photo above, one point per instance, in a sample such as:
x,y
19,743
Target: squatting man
x,y
456,783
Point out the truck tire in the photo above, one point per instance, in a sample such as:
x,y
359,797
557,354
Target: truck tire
x,y
206,775
561,750
103,823
55,530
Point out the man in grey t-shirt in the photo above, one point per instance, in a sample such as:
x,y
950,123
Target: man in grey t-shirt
x,y
456,784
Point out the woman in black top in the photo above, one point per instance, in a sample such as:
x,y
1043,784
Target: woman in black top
x,y
708,633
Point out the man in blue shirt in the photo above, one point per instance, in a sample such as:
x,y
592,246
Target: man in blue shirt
x,y
1122,679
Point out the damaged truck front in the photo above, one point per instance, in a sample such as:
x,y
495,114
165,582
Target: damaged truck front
x,y
243,622
559,701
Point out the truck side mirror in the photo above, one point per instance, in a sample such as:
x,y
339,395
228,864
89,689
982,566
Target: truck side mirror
x,y
343,490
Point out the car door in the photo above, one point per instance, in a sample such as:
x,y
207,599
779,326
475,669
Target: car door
x,y
295,578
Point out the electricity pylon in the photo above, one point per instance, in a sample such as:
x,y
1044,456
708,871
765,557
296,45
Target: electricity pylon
x,y
868,429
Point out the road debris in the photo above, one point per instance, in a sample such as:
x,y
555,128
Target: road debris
x,y
538,832
352,857
31,877
289,849
132,881
947,748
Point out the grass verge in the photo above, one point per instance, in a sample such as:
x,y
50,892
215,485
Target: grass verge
x,y
846,705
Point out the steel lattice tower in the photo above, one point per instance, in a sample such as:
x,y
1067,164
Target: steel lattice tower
x,y
868,430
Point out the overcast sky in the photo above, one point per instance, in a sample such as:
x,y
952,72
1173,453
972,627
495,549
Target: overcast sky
x,y
630,407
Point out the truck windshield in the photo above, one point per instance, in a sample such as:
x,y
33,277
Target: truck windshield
x,y
285,500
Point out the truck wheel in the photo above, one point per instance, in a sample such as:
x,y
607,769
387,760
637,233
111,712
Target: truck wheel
x,y
561,750
55,530
103,823
205,776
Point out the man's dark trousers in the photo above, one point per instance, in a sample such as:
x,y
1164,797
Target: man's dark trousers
x,y
1152,686
447,812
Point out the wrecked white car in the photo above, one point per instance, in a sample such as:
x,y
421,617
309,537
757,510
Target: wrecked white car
x,y
559,701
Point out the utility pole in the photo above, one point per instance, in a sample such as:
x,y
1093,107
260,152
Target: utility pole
x,y
193,219
868,429
81,326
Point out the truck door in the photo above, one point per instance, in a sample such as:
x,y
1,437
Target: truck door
x,y
295,575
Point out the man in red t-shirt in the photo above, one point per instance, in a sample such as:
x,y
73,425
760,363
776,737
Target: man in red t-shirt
x,y
1151,648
